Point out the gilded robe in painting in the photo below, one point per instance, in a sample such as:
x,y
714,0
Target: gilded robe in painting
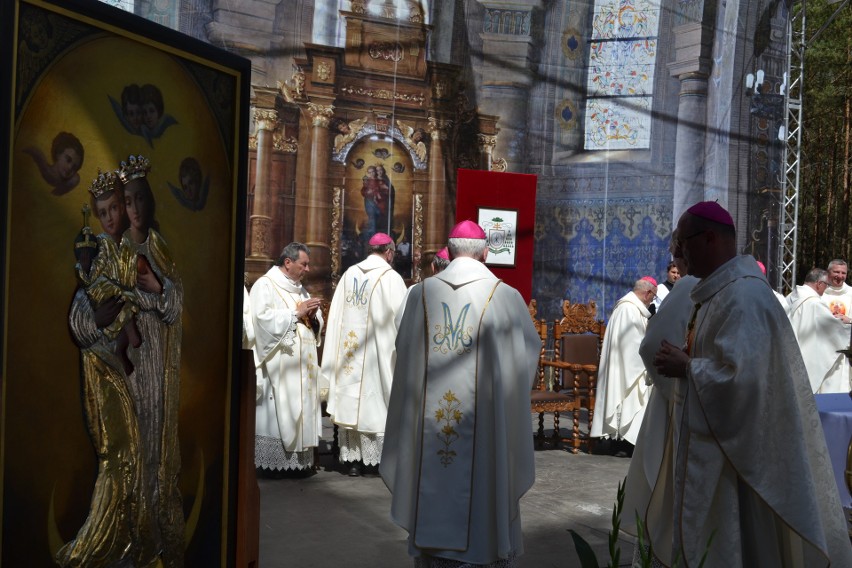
x,y
136,512
155,388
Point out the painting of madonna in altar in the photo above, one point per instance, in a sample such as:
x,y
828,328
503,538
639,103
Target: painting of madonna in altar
x,y
377,199
119,350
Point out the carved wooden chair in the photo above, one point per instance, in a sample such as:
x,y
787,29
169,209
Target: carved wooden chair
x,y
545,400
577,340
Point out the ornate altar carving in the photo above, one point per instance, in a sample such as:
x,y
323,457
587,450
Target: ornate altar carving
x,y
320,114
285,144
417,239
336,229
360,143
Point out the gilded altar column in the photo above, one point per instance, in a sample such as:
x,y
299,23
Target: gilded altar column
x,y
260,221
437,202
313,218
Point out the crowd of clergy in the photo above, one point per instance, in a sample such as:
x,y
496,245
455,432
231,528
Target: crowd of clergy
x,y
406,374
708,380
819,311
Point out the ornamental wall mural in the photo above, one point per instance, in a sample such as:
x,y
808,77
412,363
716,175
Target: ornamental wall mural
x,y
628,111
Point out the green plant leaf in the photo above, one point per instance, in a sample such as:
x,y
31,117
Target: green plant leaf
x,y
584,551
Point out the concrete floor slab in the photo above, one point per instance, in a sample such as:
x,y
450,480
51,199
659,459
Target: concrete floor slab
x,y
330,519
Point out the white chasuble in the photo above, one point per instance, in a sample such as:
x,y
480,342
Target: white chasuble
x,y
286,352
751,467
461,403
449,424
623,388
839,300
820,336
359,355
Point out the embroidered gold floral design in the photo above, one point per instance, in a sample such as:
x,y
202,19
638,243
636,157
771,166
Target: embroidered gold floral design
x,y
350,345
312,367
448,412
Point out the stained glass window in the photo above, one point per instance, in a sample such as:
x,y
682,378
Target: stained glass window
x,y
620,79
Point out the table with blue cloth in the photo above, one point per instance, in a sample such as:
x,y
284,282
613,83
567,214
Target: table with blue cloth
x,y
835,413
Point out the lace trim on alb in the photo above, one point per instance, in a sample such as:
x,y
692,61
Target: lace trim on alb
x,y
269,453
289,339
355,446
637,558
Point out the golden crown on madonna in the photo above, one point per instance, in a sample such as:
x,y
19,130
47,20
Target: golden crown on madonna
x,y
134,168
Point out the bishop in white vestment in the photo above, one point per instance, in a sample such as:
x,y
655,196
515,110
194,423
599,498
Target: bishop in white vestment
x,y
623,388
458,451
749,460
359,352
820,336
287,326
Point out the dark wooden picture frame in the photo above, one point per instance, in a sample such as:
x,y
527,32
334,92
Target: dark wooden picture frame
x,y
76,69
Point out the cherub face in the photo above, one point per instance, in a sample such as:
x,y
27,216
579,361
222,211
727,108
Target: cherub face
x,y
68,163
190,186
133,114
150,115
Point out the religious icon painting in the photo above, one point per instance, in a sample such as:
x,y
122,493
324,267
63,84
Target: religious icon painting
x,y
376,197
123,208
500,226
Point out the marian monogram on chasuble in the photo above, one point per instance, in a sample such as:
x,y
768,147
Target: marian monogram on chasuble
x,y
453,335
351,350
358,295
449,419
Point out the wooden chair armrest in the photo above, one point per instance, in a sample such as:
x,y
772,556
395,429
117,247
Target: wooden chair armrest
x,y
557,364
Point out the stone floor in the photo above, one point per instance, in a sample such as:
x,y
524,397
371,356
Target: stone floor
x,y
330,519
